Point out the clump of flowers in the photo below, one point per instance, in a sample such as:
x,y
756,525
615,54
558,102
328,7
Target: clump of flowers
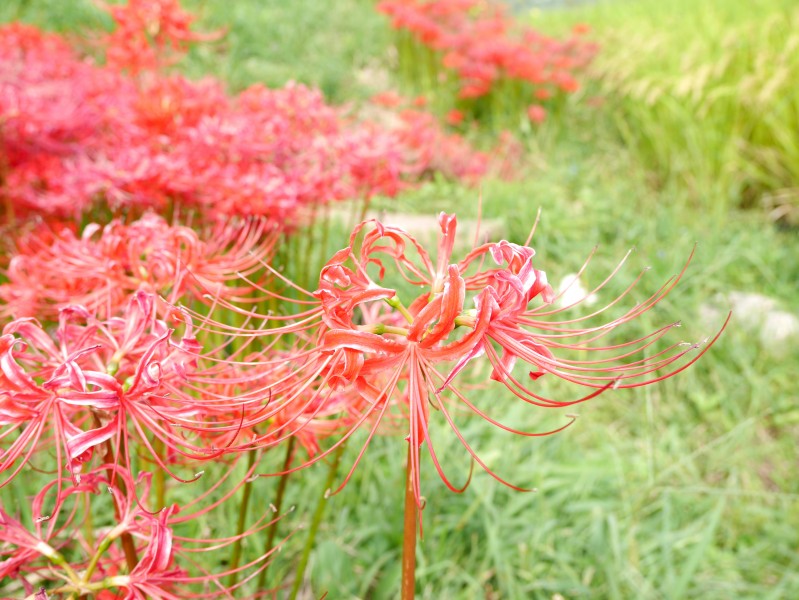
x,y
361,352
149,34
96,381
495,64
55,110
429,147
52,267
62,555
432,149
93,404
75,137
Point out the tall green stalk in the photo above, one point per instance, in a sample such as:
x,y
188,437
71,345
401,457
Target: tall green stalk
x,y
281,490
317,520
126,539
235,554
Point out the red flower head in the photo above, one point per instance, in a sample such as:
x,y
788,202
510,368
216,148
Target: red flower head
x,y
102,381
536,113
162,565
99,270
455,117
150,34
403,358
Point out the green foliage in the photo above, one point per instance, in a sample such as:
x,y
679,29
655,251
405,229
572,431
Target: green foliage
x,y
335,46
705,92
56,15
269,41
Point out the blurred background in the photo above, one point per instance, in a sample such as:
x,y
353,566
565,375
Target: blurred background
x,y
669,124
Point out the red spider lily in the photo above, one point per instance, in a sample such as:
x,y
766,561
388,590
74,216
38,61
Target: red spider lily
x,y
166,567
403,359
149,34
75,135
262,398
315,416
479,42
20,547
455,117
536,113
54,108
427,147
388,99
25,551
433,150
100,383
53,268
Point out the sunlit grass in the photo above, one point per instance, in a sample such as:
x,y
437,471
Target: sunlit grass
x,y
703,91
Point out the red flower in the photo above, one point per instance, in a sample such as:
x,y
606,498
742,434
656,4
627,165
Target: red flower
x,y
149,34
388,99
103,381
480,43
536,113
581,29
76,135
164,566
455,117
402,360
53,268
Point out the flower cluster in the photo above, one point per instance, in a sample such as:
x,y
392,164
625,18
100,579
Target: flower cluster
x,y
93,382
429,147
178,383
96,402
482,47
74,135
51,267
149,35
105,385
64,555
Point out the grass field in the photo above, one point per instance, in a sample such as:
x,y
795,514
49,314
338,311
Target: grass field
x,y
706,101
687,489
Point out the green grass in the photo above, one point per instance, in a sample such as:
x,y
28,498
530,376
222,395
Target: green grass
x,y
337,47
682,490
703,91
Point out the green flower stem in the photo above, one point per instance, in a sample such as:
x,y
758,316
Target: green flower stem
x,y
128,545
281,490
395,303
367,200
325,234
88,523
317,520
310,241
235,555
104,545
380,329
55,557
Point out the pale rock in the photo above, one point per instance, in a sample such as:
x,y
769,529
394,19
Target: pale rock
x,y
776,329
570,291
